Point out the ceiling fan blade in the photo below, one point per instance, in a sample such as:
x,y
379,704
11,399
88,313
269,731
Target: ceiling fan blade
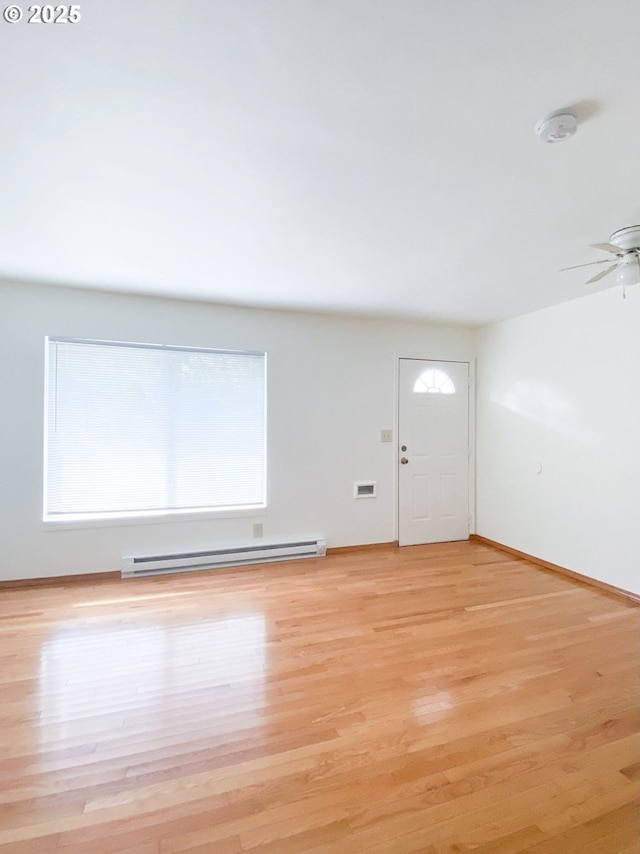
x,y
606,247
602,274
590,264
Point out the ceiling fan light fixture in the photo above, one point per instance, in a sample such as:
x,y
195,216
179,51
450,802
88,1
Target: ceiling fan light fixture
x,y
556,127
628,272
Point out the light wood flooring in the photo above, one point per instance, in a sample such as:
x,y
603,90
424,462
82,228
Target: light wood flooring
x,y
431,699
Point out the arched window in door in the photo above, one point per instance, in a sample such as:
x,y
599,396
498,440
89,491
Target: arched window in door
x,y
434,381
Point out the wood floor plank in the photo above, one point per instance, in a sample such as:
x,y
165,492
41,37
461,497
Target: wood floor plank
x,y
432,699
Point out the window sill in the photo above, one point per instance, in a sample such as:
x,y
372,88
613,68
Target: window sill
x,y
73,523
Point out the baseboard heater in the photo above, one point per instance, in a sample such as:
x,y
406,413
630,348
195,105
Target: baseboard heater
x,y
229,556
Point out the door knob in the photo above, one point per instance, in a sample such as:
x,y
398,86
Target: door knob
x,y
404,461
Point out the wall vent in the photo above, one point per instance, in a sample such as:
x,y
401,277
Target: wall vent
x,y
364,490
160,564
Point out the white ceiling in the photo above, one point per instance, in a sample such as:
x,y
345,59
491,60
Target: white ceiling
x,y
334,155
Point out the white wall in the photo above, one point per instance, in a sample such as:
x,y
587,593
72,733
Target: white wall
x,y
331,389
561,388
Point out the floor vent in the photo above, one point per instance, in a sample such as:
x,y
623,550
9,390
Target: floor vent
x,y
229,556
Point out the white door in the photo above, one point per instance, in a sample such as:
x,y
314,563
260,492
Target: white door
x,y
433,467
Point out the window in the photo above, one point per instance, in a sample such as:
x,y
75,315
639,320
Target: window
x,y
136,429
434,381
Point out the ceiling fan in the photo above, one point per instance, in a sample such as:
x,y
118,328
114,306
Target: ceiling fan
x,y
624,244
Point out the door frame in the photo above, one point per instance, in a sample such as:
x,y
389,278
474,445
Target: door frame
x,y
471,362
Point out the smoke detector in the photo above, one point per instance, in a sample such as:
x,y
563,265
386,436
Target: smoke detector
x,y
556,127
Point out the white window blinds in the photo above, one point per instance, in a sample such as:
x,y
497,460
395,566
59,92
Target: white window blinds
x,y
133,429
